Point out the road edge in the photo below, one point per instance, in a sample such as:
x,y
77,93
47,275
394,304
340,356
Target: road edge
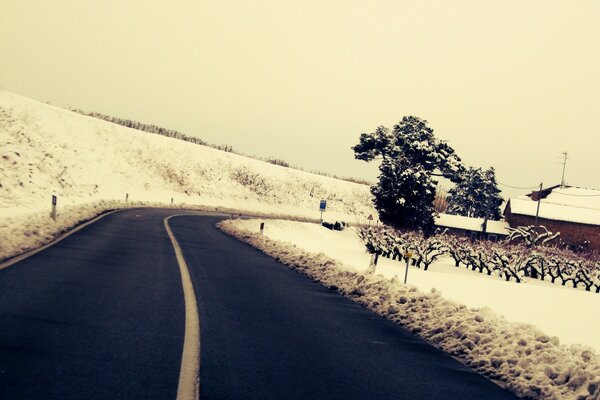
x,y
13,260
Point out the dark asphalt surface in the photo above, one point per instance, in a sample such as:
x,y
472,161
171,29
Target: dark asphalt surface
x,y
100,315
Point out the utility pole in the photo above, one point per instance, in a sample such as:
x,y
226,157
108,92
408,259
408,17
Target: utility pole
x,y
565,158
537,212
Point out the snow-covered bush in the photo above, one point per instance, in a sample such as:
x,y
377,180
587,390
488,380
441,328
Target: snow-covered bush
x,y
458,248
512,262
531,236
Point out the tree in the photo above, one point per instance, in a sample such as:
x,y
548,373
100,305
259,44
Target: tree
x,y
476,195
411,158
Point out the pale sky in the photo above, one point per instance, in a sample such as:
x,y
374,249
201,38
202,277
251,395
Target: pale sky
x,y
509,84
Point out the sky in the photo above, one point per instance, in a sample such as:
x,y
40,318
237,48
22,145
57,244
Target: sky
x,y
509,84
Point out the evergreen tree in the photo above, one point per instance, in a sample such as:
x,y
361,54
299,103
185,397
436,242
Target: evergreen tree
x,y
476,195
411,158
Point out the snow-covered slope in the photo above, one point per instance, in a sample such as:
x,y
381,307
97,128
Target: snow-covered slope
x,y
48,151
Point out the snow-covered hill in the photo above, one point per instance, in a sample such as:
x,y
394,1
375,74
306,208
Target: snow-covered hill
x,y
48,151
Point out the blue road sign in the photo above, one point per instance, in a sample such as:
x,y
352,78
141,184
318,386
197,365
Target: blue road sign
x,y
323,205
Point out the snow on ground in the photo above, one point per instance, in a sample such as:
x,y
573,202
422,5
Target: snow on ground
x,y
541,339
87,163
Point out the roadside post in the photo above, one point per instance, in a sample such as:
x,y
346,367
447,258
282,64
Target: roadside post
x,y
373,263
171,201
407,256
322,207
126,197
53,213
370,218
262,227
537,213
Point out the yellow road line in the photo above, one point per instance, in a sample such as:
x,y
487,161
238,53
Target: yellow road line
x,y
14,260
189,383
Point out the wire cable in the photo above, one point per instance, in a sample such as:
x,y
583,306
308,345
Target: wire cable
x,y
520,188
576,195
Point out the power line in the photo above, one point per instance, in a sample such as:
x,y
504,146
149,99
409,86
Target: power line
x,y
577,195
515,187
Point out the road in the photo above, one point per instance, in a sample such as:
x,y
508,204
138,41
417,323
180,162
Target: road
x,y
101,315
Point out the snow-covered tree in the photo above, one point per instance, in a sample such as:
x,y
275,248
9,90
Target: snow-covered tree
x,y
411,158
476,195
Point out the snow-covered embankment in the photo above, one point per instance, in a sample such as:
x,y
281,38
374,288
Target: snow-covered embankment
x,y
92,165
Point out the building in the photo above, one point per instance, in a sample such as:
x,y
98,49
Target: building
x,y
572,211
472,227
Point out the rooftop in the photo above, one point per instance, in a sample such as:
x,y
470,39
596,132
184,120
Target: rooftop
x,y
471,224
570,204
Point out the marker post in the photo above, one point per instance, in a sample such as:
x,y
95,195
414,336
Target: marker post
x,y
53,213
407,257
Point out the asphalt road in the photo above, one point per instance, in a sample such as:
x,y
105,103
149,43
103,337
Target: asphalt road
x,y
101,315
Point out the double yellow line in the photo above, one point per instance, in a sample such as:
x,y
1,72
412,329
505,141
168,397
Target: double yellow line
x,y
189,382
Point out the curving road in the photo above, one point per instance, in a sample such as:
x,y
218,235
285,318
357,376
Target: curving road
x,y
101,315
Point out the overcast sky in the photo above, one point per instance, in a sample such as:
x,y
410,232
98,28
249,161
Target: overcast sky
x,y
509,84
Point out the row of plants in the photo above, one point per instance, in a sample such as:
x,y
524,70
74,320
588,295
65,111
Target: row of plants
x,y
509,260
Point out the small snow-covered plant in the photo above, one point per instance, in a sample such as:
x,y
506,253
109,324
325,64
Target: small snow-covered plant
x,y
428,250
511,264
595,276
480,259
585,276
538,268
530,236
585,272
394,244
594,267
369,237
458,248
555,264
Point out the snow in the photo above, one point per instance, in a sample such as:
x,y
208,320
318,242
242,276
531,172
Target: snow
x,y
541,339
571,204
90,164
471,224
509,331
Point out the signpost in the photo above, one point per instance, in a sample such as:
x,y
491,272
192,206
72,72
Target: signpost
x,y
322,207
53,214
407,256
373,263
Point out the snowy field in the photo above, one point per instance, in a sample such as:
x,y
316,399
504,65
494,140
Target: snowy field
x,y
562,320
90,164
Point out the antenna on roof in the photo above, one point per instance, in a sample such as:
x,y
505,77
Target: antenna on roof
x,y
564,163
